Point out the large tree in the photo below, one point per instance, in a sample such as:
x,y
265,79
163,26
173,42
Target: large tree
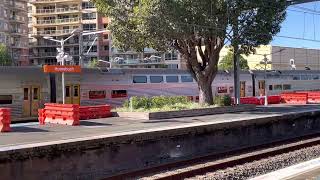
x,y
226,63
5,59
198,29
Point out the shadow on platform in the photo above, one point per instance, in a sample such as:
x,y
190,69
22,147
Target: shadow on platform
x,y
91,123
26,129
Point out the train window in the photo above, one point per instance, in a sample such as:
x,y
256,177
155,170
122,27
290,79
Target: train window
x,y
6,99
286,86
139,79
26,94
97,94
296,77
35,93
270,88
172,79
186,79
67,91
119,93
222,89
75,91
315,77
156,79
304,77
278,87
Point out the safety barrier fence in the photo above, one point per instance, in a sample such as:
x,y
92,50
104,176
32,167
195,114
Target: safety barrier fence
x,y
5,119
67,114
71,114
95,112
294,98
260,100
313,97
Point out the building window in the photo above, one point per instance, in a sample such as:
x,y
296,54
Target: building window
x,y
173,66
304,77
105,26
97,94
119,93
106,48
87,5
156,79
5,99
139,79
89,27
270,88
186,79
106,36
89,16
172,79
315,77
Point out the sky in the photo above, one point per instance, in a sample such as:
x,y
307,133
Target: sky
x,y
302,22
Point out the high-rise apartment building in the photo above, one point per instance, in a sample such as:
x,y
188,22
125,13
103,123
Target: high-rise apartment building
x,y
14,29
57,19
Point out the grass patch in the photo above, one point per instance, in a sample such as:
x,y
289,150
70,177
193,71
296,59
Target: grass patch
x,y
167,103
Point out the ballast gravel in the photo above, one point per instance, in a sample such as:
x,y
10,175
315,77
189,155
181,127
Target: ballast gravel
x,y
263,166
250,169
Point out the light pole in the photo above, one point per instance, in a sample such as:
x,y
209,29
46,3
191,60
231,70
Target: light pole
x,y
62,41
265,61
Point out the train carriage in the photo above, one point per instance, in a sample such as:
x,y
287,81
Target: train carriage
x,y
25,89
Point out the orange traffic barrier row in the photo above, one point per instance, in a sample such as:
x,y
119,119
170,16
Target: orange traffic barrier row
x,y
67,114
41,116
313,97
294,98
95,112
5,119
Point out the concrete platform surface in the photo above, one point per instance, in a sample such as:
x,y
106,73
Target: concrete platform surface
x,y
30,135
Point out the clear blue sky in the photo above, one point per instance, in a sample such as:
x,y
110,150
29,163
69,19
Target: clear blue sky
x,y
303,21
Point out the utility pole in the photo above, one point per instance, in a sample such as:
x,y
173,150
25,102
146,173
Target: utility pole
x,y
235,45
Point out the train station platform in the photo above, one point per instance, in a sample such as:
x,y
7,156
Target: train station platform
x,y
103,147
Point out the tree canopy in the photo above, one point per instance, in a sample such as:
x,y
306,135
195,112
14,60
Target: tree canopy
x,y
226,63
5,59
197,29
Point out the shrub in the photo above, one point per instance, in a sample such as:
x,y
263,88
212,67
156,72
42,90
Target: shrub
x,y
155,102
224,100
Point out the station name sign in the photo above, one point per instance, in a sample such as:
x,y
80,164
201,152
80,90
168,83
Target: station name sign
x,y
61,69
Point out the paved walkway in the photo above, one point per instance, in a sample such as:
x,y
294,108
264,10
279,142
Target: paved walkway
x,y
23,135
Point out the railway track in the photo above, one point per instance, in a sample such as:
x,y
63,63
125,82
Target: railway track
x,y
210,163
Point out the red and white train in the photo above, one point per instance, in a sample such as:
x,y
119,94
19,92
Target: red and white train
x,y
25,89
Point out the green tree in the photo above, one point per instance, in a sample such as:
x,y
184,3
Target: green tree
x,y
5,59
226,62
197,29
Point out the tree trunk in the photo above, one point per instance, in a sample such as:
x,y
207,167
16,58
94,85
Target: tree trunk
x,y
205,92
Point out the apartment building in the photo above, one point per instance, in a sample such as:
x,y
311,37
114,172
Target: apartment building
x,y
14,30
57,19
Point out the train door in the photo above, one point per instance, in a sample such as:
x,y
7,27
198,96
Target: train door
x,y
31,100
72,94
262,88
242,89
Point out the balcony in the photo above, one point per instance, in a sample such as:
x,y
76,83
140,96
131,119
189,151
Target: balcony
x,y
57,10
48,1
146,61
52,54
19,19
54,32
57,21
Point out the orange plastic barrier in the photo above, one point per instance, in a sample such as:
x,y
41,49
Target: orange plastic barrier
x,y
41,116
274,99
67,114
95,112
313,97
250,100
5,119
294,98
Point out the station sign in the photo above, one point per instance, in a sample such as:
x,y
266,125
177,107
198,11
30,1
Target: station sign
x,y
61,69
